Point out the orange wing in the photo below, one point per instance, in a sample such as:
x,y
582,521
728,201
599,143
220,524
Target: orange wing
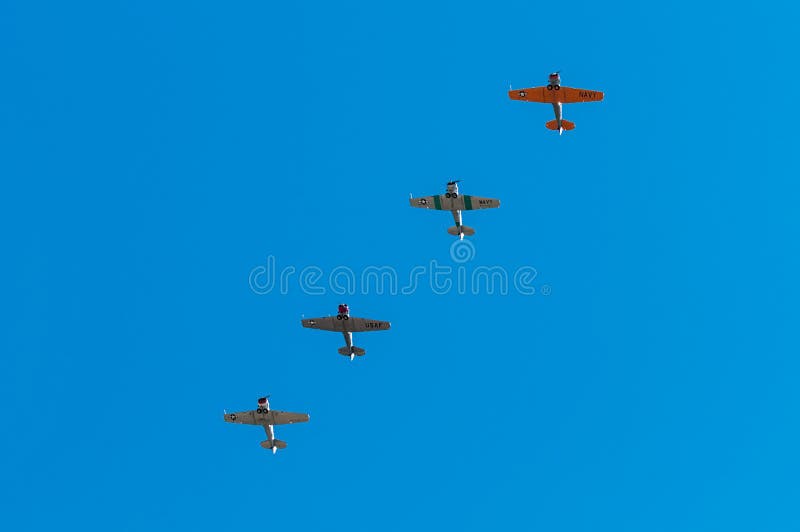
x,y
554,95
533,94
570,95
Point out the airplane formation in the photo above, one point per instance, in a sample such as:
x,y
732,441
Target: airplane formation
x,y
452,200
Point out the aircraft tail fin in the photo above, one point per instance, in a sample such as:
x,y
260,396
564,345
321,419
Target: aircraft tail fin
x,y
273,444
347,351
565,124
464,230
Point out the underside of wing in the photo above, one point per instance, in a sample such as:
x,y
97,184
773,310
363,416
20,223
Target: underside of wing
x,y
532,94
286,418
472,203
366,325
427,202
328,323
572,95
246,418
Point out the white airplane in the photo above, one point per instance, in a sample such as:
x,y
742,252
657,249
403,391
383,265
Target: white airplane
x,y
266,418
454,202
347,325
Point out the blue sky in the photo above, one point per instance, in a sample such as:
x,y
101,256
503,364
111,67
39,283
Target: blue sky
x,y
154,155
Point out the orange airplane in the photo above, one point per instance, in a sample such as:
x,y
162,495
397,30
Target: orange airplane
x,y
556,94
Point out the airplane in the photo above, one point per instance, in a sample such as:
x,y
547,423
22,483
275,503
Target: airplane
x,y
346,325
455,203
556,94
266,418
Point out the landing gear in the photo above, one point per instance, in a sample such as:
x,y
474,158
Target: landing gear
x,y
345,317
557,87
338,317
549,87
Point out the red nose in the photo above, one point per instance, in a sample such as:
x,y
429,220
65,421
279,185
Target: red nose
x,y
262,401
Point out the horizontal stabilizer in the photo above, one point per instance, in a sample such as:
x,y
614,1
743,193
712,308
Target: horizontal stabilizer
x,y
273,444
468,231
566,124
346,351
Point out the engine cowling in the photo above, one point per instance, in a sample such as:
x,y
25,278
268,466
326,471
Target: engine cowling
x,y
263,404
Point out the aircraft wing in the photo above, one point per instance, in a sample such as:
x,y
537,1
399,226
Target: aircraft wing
x,y
462,202
563,95
570,95
366,325
532,94
249,417
286,418
272,417
471,203
351,324
427,202
328,323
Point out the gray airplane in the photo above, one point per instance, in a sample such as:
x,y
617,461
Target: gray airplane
x,y
266,418
347,325
454,202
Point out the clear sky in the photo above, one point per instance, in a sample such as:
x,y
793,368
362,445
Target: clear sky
x,y
154,155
